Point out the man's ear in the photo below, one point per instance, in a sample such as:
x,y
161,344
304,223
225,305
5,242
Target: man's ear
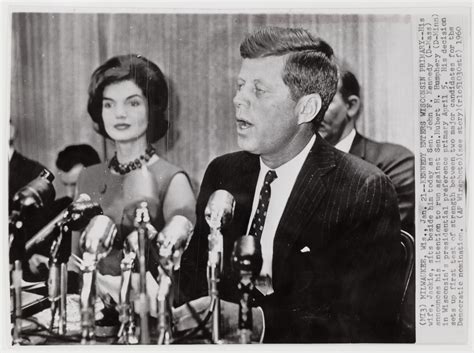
x,y
353,106
308,107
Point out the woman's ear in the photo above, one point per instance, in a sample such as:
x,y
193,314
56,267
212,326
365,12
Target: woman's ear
x,y
353,106
308,107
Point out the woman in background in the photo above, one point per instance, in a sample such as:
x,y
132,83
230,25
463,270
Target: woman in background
x,y
128,97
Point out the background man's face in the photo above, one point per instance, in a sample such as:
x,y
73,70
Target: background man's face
x,y
335,119
69,179
265,113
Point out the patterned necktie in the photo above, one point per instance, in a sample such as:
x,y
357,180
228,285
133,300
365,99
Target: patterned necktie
x,y
258,221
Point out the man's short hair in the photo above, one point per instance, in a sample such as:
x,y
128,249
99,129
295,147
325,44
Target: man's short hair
x,y
310,67
77,154
349,84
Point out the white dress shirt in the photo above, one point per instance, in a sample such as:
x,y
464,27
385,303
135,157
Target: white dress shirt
x,y
345,144
280,192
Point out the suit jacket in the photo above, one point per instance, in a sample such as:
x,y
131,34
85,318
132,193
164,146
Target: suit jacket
x,y
399,164
21,171
344,210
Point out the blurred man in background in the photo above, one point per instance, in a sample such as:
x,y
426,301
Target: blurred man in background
x,y
339,129
70,162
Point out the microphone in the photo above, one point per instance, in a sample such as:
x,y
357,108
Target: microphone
x,y
37,193
246,257
174,239
218,213
247,261
128,223
75,216
219,209
96,242
97,239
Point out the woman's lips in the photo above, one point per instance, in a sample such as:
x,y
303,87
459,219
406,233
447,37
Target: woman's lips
x,y
122,126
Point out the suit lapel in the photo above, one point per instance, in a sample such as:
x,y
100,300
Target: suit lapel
x,y
305,197
358,146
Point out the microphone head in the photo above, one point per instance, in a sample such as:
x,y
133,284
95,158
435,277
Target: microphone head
x,y
220,209
247,255
83,198
80,212
98,237
38,193
176,234
130,211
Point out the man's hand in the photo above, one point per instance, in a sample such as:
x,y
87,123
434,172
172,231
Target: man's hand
x,y
184,318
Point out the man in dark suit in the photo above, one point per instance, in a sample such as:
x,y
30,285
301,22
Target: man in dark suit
x,y
21,170
338,128
328,222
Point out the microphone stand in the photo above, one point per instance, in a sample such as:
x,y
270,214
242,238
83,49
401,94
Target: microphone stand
x,y
142,221
17,242
247,262
59,255
214,268
87,299
245,286
126,333
164,303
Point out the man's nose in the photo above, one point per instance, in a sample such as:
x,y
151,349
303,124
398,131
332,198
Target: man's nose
x,y
240,99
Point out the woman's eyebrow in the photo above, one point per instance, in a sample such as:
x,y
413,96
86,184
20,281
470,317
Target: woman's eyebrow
x,y
129,97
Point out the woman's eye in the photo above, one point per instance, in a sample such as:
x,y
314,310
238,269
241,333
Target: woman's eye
x,y
239,86
106,105
135,103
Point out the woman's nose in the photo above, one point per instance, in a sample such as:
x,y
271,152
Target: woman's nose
x,y
120,111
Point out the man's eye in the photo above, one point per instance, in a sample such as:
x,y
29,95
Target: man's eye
x,y
259,91
239,86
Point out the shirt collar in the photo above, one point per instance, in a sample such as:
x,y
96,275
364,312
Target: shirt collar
x,y
293,166
345,144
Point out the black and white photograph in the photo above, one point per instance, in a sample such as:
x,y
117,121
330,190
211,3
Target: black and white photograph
x,y
199,176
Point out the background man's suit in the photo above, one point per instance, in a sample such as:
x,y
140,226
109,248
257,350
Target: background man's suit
x,y
399,164
344,210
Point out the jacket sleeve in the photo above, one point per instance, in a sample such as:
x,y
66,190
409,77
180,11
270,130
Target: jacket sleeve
x,y
370,264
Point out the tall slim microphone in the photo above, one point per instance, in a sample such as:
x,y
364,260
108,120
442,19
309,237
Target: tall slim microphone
x,y
218,213
172,241
96,242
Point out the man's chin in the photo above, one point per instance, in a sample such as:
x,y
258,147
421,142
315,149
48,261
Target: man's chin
x,y
245,145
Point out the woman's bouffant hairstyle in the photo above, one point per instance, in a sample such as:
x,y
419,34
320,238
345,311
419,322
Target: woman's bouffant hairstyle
x,y
310,67
146,75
